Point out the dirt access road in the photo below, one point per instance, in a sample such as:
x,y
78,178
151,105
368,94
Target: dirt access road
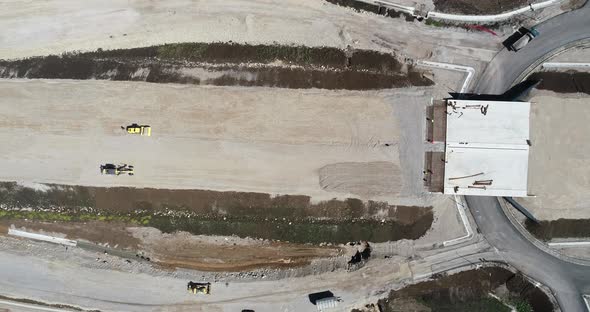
x,y
57,26
322,144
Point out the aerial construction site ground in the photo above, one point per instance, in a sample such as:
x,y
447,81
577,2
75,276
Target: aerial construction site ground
x,y
288,141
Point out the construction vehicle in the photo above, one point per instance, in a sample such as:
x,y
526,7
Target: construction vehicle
x,y
520,38
143,130
198,288
111,169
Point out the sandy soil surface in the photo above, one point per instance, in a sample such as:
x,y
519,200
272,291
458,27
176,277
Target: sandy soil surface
x,y
239,139
559,166
55,26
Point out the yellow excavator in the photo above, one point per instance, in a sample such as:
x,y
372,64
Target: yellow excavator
x,y
143,130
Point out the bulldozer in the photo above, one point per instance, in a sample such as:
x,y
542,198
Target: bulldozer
x,y
143,130
198,288
111,169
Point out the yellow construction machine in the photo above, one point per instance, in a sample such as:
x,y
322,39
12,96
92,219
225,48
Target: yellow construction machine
x,y
143,130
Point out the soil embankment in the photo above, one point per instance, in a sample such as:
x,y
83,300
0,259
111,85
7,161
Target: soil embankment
x,y
227,64
286,218
468,291
560,228
477,7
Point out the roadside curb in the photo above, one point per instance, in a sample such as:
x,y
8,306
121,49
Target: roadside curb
x,y
564,65
469,70
569,243
461,208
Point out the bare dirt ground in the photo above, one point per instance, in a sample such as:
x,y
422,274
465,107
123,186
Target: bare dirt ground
x,y
38,29
558,162
83,118
252,140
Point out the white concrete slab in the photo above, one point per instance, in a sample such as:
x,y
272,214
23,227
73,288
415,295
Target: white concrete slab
x,y
504,123
507,168
486,151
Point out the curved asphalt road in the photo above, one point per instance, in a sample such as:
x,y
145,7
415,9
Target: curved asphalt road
x,y
554,33
567,280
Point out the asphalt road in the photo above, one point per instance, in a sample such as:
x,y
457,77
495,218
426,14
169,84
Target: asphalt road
x,y
567,280
555,33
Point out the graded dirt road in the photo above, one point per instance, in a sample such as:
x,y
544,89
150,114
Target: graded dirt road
x,y
322,144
